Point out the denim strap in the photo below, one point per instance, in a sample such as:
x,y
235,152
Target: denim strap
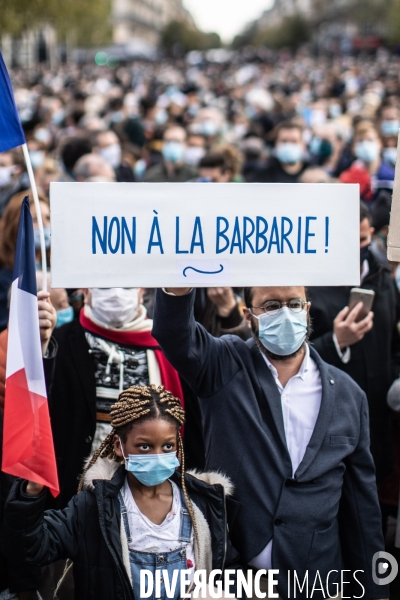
x,y
124,515
185,532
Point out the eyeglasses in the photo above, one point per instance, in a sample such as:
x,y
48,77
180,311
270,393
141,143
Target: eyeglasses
x,y
272,307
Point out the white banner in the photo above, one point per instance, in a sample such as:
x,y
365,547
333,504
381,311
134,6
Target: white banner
x,y
204,234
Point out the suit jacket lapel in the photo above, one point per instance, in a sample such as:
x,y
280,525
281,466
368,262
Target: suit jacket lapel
x,y
324,415
272,405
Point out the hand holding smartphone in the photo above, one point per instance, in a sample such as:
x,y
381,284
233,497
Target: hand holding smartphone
x,y
366,297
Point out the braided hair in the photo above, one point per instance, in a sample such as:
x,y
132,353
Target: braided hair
x,y
143,402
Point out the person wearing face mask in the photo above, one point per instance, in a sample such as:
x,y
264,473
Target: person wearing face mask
x,y
367,349
290,429
106,350
369,170
7,169
109,148
390,119
327,146
134,510
196,149
172,168
288,161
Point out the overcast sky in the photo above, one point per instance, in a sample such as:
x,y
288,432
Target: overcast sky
x,y
226,17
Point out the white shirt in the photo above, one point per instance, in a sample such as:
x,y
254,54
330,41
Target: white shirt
x,y
301,401
148,536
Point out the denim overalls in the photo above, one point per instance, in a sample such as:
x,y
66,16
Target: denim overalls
x,y
153,561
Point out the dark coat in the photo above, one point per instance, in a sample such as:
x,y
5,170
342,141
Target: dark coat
x,y
15,574
375,360
273,172
6,279
73,411
88,532
324,517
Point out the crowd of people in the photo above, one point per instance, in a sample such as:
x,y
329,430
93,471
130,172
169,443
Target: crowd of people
x,y
293,432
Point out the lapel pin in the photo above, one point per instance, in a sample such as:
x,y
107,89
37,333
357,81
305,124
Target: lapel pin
x,y
331,381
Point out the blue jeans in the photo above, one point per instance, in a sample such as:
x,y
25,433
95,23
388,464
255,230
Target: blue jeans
x,y
165,561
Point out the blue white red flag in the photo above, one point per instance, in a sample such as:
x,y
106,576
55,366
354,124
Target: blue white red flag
x,y
28,450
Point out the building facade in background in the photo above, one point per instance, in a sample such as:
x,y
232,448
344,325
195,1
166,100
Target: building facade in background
x,y
140,22
337,25
285,8
136,27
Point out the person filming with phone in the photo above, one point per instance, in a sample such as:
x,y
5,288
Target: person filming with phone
x,y
356,331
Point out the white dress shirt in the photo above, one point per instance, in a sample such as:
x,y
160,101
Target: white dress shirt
x,y
301,401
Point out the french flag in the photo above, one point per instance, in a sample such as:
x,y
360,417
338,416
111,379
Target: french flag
x,y
11,132
28,450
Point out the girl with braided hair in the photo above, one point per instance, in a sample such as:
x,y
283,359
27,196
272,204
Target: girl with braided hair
x,y
135,509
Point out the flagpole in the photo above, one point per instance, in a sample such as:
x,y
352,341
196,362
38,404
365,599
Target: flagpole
x,y
38,214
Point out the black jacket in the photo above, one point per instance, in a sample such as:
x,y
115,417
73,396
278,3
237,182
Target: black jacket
x,y
273,172
375,360
16,574
73,411
326,516
88,531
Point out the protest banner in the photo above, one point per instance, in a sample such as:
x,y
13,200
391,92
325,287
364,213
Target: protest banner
x,y
203,234
393,241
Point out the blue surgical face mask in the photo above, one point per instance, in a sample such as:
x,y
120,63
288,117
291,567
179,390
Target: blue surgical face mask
x,y
288,153
112,154
390,127
209,128
283,333
151,469
315,145
43,135
140,168
6,175
335,110
389,155
173,151
320,148
36,237
66,315
367,151
37,158
161,117
58,116
193,155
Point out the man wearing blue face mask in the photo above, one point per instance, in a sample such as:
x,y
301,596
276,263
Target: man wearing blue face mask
x,y
172,168
290,430
288,161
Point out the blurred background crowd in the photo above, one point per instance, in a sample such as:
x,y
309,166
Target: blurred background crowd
x,y
290,119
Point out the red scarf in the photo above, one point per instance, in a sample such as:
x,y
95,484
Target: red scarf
x,y
144,339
